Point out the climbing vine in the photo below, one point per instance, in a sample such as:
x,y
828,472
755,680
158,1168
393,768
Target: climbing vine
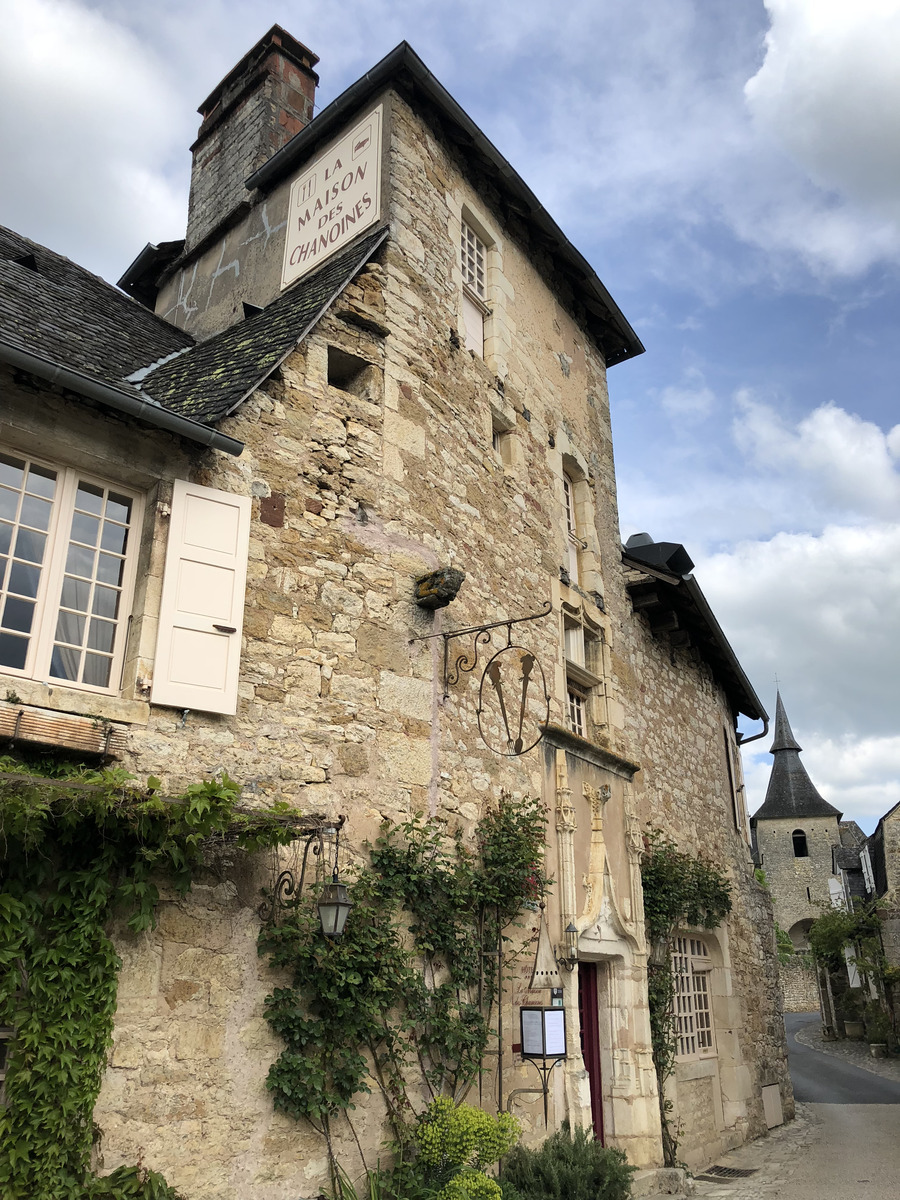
x,y
679,891
78,846
409,989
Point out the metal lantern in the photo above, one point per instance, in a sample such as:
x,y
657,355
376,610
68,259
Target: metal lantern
x,y
334,905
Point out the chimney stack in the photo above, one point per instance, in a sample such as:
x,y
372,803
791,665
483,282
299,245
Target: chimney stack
x,y
259,105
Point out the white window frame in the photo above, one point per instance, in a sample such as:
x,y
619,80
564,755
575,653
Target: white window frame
x,y
473,265
692,1000
473,253
48,599
576,709
575,543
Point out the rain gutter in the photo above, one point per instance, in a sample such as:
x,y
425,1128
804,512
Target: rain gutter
x,y
117,398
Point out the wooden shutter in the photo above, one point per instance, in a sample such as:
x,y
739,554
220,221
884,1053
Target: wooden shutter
x,y
198,648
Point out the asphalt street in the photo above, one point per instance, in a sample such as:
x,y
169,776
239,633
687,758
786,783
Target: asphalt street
x,y
845,1144
820,1079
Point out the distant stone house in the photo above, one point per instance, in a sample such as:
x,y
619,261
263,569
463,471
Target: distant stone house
x,y
374,355
811,859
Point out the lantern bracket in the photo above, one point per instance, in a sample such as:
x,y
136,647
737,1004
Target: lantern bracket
x,y
286,888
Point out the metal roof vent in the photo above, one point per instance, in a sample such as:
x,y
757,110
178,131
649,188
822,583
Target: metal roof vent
x,y
665,556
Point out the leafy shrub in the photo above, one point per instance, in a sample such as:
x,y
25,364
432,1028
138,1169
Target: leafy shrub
x,y
569,1166
455,1142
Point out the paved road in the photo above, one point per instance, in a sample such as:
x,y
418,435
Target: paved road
x,y
820,1079
845,1144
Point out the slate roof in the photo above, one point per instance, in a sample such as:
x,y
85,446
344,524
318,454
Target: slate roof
x,y
212,378
791,793
64,313
51,307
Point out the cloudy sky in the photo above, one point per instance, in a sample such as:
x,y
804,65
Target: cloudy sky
x,y
731,168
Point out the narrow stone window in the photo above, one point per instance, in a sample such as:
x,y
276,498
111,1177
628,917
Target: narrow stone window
x,y
575,543
473,263
503,441
801,850
473,254
345,370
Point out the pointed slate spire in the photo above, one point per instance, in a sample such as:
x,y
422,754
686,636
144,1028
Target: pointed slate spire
x,y
784,738
791,793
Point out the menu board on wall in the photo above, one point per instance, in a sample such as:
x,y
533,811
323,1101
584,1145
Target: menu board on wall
x,y
337,197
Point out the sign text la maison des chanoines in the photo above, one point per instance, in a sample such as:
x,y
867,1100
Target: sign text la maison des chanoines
x,y
336,197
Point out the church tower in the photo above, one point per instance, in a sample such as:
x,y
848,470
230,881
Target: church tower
x,y
796,831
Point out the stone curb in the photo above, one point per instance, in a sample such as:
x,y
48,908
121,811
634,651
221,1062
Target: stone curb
x,y
851,1051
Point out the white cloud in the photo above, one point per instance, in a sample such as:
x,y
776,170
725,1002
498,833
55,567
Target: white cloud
x,y
692,400
829,91
823,613
87,117
848,464
859,776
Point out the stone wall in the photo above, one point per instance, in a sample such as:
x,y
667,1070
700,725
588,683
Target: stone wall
x,y
798,984
679,719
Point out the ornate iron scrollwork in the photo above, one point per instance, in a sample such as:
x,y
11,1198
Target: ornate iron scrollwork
x,y
286,890
465,662
514,720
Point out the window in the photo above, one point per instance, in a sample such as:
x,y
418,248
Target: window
x,y
473,262
691,968
68,549
576,706
801,850
582,652
66,571
575,544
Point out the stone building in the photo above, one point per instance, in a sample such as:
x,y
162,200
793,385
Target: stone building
x,y
374,356
880,869
809,855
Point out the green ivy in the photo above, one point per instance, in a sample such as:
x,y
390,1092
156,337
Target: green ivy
x,y
679,891
78,846
413,981
859,931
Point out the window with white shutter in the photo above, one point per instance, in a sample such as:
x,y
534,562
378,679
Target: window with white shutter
x,y
67,563
201,612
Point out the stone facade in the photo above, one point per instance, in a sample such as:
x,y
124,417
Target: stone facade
x,y
799,986
423,456
803,885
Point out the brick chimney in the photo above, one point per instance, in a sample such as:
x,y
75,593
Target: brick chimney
x,y
259,105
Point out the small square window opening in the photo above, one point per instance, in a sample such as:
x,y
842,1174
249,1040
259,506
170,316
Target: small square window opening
x,y
345,370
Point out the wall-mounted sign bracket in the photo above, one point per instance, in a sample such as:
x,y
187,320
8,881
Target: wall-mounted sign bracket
x,y
467,660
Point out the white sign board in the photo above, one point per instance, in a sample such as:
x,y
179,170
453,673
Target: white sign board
x,y
336,197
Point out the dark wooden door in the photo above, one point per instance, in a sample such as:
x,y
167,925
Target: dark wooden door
x,y
589,1015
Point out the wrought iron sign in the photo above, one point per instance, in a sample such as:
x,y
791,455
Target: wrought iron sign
x,y
513,701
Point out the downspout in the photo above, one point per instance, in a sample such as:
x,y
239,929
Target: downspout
x,y
745,741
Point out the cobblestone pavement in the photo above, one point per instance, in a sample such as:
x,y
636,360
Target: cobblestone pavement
x,y
774,1159
855,1052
